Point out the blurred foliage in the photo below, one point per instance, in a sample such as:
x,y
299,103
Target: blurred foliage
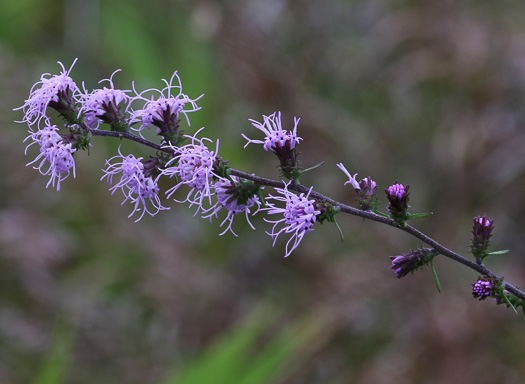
x,y
58,359
429,93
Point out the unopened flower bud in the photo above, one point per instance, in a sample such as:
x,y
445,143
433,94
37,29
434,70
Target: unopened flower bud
x,y
485,287
397,195
409,262
367,197
482,231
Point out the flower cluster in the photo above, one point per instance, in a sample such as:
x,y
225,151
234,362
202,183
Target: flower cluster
x,y
56,155
135,185
193,164
200,178
279,141
106,105
164,110
54,91
235,196
299,216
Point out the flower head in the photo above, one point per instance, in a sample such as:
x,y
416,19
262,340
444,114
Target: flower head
x,y
55,151
367,197
484,287
51,91
163,111
237,197
397,195
103,105
279,141
134,184
276,138
193,164
299,216
365,189
481,231
409,262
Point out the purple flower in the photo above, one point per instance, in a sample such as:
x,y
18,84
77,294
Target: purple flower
x,y
163,110
366,189
482,231
351,179
484,287
235,198
193,164
299,216
55,151
276,137
409,262
279,141
102,105
135,186
397,195
396,191
48,91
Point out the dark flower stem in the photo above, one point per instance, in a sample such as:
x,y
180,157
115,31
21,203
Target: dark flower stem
x,y
124,135
344,208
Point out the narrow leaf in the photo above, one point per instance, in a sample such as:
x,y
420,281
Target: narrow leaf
x,y
438,285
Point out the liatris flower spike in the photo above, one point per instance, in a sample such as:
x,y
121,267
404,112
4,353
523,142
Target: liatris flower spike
x,y
214,186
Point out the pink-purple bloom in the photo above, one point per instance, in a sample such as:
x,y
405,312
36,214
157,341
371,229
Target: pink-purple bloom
x,y
227,194
102,105
193,165
49,89
351,179
56,156
484,287
164,106
276,137
398,197
299,216
396,191
134,185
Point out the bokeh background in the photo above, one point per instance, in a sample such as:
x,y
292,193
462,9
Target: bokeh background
x,y
428,93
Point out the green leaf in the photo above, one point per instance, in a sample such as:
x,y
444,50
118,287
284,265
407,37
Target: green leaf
x,y
311,168
379,213
411,216
508,301
438,285
498,252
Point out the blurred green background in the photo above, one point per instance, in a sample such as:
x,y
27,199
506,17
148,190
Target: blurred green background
x,y
429,93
